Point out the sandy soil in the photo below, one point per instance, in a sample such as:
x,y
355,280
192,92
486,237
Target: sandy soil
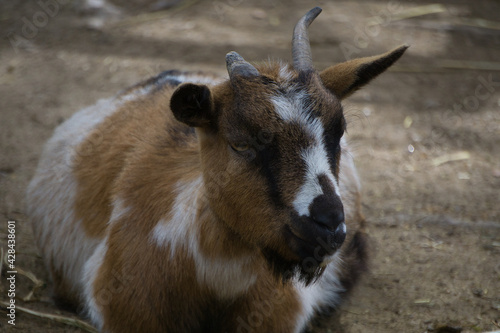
x,y
427,133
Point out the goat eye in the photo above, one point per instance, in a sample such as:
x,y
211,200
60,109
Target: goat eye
x,y
240,147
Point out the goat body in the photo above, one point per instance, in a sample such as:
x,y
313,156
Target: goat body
x,y
191,203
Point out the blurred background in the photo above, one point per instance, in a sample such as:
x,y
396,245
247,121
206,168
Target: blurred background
x,y
426,134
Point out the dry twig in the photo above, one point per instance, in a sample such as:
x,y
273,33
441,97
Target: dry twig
x,y
57,318
458,156
418,11
36,281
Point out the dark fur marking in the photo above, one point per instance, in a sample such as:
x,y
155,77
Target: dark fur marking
x,y
168,77
312,105
305,77
333,133
368,71
269,162
152,81
357,256
284,269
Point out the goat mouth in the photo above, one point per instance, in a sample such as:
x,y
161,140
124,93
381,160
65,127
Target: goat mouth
x,y
303,254
318,243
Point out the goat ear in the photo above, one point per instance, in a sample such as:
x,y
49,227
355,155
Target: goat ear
x,y
192,104
345,78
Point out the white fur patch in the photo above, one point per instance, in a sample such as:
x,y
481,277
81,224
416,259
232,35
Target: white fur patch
x,y
192,78
285,73
52,192
324,292
119,210
316,160
95,299
226,277
349,183
176,230
293,108
195,78
91,268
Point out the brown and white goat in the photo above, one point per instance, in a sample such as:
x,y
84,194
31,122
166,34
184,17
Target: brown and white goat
x,y
189,203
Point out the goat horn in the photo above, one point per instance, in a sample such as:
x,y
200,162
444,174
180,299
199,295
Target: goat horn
x,y
237,66
301,50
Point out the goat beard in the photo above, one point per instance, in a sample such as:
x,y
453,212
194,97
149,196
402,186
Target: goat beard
x,y
284,270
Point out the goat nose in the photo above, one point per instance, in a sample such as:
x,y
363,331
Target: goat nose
x,y
327,212
329,219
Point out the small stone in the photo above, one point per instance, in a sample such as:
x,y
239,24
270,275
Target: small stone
x,y
407,122
477,292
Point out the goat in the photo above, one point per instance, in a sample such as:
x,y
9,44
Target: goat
x,y
192,203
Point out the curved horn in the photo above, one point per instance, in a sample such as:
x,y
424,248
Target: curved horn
x,y
301,50
237,66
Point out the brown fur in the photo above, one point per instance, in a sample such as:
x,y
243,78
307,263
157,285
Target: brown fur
x,y
121,135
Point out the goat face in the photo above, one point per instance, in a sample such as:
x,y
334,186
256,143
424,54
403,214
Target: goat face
x,y
270,150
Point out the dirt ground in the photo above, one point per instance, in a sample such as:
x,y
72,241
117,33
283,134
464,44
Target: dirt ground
x,y
427,133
